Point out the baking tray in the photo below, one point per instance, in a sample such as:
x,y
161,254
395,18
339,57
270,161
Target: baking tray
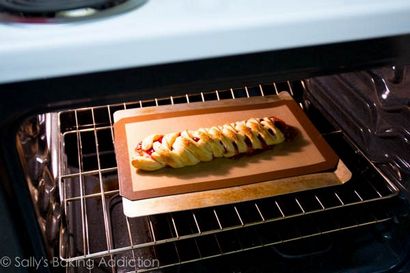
x,y
304,163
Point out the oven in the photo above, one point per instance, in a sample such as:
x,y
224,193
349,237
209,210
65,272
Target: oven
x,y
60,203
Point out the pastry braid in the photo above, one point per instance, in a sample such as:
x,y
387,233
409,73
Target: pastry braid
x,y
190,147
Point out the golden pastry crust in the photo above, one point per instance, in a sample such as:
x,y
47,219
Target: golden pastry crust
x,y
190,147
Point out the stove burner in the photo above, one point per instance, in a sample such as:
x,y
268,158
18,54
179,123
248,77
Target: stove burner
x,y
62,10
46,6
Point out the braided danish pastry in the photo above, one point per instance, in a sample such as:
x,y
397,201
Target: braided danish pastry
x,y
190,147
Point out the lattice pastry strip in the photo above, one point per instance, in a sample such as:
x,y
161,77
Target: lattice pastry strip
x,y
190,147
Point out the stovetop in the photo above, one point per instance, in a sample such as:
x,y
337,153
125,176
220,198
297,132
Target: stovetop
x,y
167,31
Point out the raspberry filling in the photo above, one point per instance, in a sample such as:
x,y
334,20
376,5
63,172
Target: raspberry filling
x,y
263,143
139,149
248,142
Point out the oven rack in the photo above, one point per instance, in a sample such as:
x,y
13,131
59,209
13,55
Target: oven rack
x,y
88,187
221,244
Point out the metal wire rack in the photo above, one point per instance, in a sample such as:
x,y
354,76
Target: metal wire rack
x,y
95,226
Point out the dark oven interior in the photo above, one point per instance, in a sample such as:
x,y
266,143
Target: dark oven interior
x,y
361,226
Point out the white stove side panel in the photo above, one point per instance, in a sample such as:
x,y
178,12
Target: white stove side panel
x,y
165,31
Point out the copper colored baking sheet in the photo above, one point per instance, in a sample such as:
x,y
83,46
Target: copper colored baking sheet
x,y
307,154
216,197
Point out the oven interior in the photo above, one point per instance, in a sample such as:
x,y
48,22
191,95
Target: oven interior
x,y
362,226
